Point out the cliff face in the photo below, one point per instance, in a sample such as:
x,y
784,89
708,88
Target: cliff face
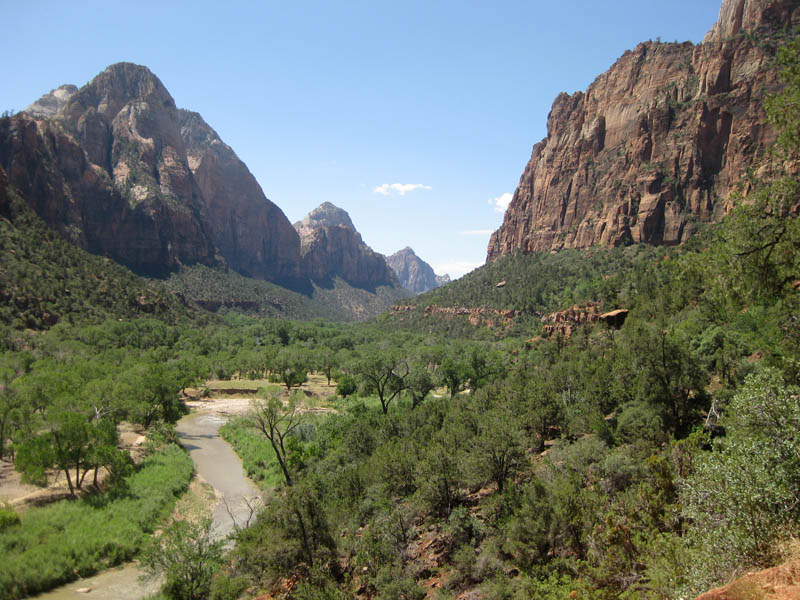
x,y
106,167
330,246
81,201
252,234
116,168
656,144
413,273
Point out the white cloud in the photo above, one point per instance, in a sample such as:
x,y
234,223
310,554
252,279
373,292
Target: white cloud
x,y
501,202
456,268
402,189
476,232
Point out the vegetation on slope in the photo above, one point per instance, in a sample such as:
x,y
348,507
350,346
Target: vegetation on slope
x,y
44,279
649,461
530,285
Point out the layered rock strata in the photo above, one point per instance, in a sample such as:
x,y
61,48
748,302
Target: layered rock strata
x,y
655,145
252,234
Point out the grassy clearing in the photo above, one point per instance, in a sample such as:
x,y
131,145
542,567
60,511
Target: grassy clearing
x,y
316,385
73,539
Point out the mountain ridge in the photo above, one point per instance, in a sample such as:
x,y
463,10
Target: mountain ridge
x,y
116,168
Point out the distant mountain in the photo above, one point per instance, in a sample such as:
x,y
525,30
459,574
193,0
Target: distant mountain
x,y
331,246
657,143
413,273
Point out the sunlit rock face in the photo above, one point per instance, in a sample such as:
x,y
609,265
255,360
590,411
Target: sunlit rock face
x,y
330,246
116,168
657,143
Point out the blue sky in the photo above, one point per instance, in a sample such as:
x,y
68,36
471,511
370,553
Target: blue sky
x,y
338,101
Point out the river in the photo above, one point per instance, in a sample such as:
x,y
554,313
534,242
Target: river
x,y
217,463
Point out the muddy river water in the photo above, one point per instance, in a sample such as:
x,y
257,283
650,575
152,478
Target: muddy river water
x,y
217,463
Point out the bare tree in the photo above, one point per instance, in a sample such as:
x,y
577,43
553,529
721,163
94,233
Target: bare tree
x,y
276,421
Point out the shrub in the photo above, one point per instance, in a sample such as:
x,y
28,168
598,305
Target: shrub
x,y
8,517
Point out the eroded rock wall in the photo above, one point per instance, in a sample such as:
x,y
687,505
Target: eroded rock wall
x,y
657,143
116,168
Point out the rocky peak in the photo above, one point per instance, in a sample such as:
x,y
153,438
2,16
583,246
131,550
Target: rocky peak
x,y
413,273
330,246
49,105
119,170
326,215
117,86
752,16
656,144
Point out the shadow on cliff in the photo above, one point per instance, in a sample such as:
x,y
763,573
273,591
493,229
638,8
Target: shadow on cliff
x,y
306,286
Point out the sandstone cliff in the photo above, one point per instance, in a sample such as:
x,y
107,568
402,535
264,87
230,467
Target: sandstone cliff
x,y
330,246
81,201
116,168
252,234
657,143
413,273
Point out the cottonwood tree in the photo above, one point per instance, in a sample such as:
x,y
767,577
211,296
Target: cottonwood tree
x,y
453,374
149,393
325,362
276,421
291,367
419,384
386,372
72,442
482,367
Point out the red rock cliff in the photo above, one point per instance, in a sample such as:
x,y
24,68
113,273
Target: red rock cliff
x,y
656,144
116,168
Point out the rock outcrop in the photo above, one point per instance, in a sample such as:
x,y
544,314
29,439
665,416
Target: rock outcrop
x,y
657,143
565,322
413,273
330,246
81,201
777,583
478,317
116,168
49,105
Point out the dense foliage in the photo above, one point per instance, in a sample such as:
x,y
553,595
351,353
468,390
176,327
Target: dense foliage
x,y
44,279
647,459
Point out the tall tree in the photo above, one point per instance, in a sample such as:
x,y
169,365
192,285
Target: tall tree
x,y
277,421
